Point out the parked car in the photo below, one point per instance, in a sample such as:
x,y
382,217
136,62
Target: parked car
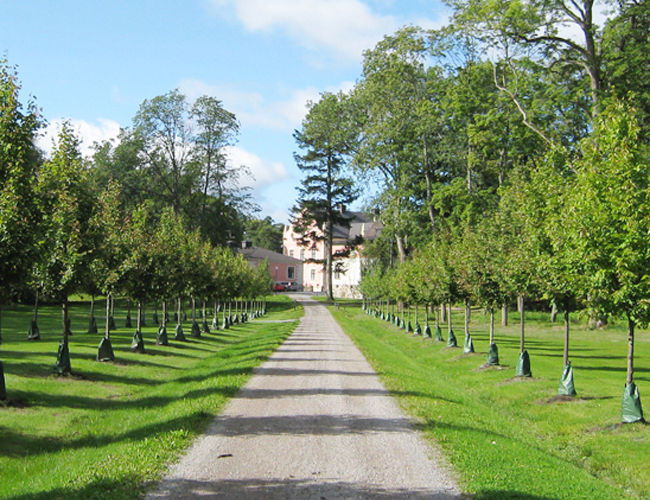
x,y
292,287
278,287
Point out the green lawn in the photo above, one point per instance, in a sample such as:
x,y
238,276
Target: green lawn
x,y
509,438
111,428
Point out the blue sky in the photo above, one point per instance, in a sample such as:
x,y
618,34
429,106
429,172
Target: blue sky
x,y
95,61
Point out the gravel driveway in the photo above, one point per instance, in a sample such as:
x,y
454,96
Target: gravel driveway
x,y
314,422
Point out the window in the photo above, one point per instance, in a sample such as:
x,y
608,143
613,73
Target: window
x,y
302,254
290,253
291,272
314,254
337,275
313,274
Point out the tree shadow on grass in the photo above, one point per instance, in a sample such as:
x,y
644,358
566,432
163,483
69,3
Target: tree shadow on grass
x,y
538,345
23,445
123,488
5,354
620,369
588,357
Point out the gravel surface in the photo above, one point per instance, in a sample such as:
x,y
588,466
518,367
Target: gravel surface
x,y
314,422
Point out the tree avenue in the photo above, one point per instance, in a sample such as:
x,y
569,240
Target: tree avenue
x,y
509,154
508,161
117,224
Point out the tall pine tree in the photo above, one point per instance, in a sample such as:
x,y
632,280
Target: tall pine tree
x,y
327,140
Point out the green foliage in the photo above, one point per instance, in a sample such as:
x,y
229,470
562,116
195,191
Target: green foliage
x,y
67,204
609,205
399,127
264,233
535,28
626,47
174,156
19,161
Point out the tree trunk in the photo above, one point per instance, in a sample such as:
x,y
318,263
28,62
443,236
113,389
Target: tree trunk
x,y
193,310
107,330
630,351
401,248
65,317
504,315
329,294
163,321
432,214
520,299
491,325
92,306
566,338
443,313
468,312
449,317
180,317
139,322
36,307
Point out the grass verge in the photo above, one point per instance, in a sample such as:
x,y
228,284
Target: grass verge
x,y
110,429
511,438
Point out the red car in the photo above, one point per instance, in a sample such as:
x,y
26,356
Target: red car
x,y
278,287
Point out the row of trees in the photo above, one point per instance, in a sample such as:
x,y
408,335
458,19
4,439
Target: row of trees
x,y
509,152
119,223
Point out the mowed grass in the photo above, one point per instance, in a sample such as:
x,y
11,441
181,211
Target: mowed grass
x,y
110,429
511,438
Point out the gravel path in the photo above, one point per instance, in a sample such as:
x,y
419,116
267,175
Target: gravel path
x,y
313,423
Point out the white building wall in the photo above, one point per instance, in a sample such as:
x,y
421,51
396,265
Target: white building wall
x,y
346,284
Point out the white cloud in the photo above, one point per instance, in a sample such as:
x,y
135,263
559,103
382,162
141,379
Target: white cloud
x,y
346,27
343,27
252,109
265,173
88,133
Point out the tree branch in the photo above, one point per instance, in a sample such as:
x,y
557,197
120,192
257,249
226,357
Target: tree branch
x,y
514,99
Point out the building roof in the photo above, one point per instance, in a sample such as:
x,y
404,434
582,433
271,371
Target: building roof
x,y
361,224
255,253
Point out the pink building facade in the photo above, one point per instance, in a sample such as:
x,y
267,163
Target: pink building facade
x,y
282,268
348,270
